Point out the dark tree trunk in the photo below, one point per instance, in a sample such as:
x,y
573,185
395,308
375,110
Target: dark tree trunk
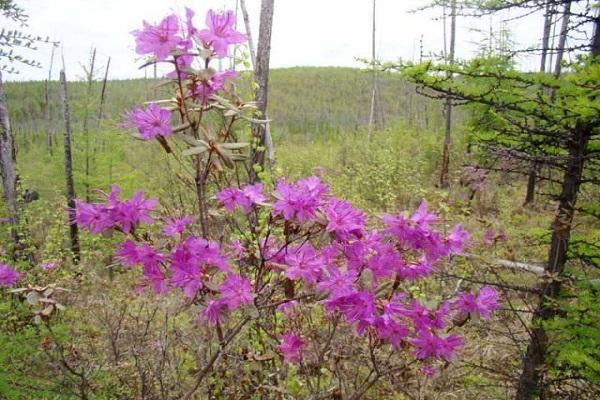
x,y
444,181
529,382
103,94
72,214
533,167
8,166
261,75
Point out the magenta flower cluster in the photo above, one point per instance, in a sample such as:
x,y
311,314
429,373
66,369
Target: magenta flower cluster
x,y
179,44
347,271
8,276
124,215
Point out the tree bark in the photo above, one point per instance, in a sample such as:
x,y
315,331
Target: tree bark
x,y
533,167
373,76
71,211
531,375
261,75
444,181
8,166
103,94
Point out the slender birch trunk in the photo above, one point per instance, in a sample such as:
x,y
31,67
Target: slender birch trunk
x,y
261,75
70,186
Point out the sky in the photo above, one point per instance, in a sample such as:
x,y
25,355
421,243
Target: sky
x,y
305,32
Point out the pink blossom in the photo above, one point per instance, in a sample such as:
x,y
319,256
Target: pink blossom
x,y
203,89
128,254
236,291
176,226
49,266
484,303
8,276
457,239
304,263
159,40
291,347
344,220
337,283
428,345
220,32
244,198
213,313
299,201
355,306
152,122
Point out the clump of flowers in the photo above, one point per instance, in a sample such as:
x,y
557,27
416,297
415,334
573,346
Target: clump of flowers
x,y
8,276
357,273
306,268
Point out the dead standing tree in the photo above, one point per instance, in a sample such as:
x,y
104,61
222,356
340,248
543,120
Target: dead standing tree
x,y
71,212
8,165
261,75
444,172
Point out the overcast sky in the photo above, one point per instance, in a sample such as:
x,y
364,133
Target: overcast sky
x,y
305,32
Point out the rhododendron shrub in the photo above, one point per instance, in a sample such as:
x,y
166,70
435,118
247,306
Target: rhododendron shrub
x,y
281,273
303,255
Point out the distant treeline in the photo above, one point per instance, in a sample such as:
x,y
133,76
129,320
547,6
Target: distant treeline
x,y
307,101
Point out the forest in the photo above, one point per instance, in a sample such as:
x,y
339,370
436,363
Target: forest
x,y
405,229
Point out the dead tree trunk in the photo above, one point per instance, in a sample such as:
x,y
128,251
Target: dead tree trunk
x,y
261,75
86,131
444,172
373,76
531,374
8,166
533,166
49,133
103,94
71,212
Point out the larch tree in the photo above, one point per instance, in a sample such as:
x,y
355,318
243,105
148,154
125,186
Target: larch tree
x,y
553,120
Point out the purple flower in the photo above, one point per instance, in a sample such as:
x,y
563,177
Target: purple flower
x,y
159,40
49,266
489,237
344,220
152,122
356,306
93,217
156,276
213,313
244,198
220,33
177,226
303,263
203,89
8,276
183,63
128,213
484,303
457,239
190,262
299,201
291,347
128,254
337,283
428,345
236,291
